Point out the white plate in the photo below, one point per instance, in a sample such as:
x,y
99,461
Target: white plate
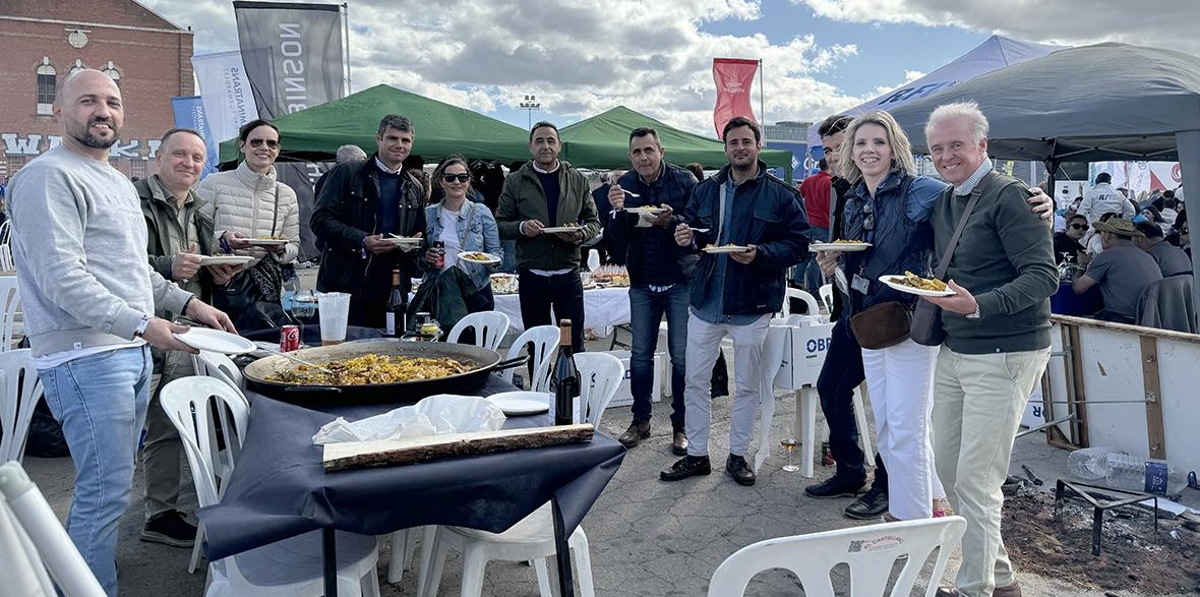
x,y
646,210
562,229
844,247
216,341
403,240
521,403
490,259
726,249
225,260
267,242
909,289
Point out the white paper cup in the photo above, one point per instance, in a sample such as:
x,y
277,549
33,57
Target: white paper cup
x,y
335,309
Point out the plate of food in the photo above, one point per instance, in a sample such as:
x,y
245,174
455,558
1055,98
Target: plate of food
x,y
553,229
403,240
266,241
479,258
730,248
504,284
846,246
914,284
225,259
645,210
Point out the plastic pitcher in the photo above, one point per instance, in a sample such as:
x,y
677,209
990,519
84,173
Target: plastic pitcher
x,y
335,310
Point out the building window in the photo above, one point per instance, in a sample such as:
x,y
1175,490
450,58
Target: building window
x,y
112,73
47,87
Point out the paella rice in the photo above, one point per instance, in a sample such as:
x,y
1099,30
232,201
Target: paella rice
x,y
372,369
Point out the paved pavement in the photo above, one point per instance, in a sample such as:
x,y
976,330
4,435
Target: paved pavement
x,y
647,537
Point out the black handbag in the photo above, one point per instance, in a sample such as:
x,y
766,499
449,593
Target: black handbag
x,y
881,326
926,328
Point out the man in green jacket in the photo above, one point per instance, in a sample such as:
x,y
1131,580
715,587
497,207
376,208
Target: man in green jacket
x,y
547,207
178,235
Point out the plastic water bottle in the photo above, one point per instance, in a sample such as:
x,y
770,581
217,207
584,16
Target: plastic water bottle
x,y
1089,464
593,260
1134,473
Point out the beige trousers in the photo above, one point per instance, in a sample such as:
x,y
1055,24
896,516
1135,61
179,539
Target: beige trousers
x,y
162,448
977,404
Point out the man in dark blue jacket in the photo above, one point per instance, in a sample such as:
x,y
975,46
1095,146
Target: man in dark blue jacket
x,y
735,290
658,272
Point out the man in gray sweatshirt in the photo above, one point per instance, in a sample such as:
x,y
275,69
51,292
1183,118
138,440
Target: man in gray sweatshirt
x,y
79,240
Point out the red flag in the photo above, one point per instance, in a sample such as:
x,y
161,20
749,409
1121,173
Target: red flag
x,y
733,77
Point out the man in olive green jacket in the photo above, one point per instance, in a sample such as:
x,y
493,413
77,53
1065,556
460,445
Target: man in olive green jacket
x,y
547,207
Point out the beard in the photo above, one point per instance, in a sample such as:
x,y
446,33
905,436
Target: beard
x,y
88,138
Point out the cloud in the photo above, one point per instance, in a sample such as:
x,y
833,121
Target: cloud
x,y
579,59
1160,23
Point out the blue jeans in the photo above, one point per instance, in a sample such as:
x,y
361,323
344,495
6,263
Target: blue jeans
x,y
646,310
101,401
807,273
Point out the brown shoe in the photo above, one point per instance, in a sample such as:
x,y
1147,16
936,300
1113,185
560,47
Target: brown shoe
x,y
634,435
1013,590
679,444
947,592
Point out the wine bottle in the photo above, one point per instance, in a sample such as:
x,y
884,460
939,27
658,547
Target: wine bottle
x,y
565,380
397,307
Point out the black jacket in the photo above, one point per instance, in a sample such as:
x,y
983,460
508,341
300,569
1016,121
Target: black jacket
x,y
345,213
651,253
841,188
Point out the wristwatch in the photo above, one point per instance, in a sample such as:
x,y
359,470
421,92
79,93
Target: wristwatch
x,y
974,315
141,328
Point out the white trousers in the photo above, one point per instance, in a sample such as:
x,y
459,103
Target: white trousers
x,y
900,381
703,346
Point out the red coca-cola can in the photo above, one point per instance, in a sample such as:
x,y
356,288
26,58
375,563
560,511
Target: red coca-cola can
x,y
289,338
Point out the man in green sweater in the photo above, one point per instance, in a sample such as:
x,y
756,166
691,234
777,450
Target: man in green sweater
x,y
997,337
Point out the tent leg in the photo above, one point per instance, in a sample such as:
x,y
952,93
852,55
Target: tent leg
x,y
1187,143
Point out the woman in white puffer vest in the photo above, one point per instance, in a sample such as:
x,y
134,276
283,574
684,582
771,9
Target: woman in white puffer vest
x,y
252,212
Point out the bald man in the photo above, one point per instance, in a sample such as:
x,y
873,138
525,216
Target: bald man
x,y
89,296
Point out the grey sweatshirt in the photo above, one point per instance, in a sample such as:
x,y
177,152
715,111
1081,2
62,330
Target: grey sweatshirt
x,y
79,242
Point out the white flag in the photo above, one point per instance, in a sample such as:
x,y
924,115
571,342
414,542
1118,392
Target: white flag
x,y
225,92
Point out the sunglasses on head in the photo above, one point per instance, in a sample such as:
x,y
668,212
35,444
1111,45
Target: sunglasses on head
x,y
464,177
1079,226
272,143
868,216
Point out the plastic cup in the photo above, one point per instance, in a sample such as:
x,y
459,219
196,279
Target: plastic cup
x,y
335,310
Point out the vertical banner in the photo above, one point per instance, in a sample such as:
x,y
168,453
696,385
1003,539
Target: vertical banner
x,y
733,77
293,54
189,114
225,92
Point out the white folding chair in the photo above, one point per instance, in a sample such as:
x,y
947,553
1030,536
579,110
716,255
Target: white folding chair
x,y
220,366
490,328
6,258
600,375
37,542
544,339
10,303
870,552
796,293
20,390
287,568
826,293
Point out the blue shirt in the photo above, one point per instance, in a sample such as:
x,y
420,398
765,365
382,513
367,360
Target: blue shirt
x,y
711,309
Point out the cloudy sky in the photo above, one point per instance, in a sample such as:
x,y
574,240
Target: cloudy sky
x,y
655,56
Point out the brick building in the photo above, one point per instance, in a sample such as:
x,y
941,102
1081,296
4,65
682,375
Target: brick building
x,y
41,41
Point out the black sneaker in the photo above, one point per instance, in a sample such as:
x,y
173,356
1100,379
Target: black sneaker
x,y
834,487
740,470
870,506
169,528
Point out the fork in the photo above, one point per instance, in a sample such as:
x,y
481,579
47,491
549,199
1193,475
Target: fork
x,y
630,193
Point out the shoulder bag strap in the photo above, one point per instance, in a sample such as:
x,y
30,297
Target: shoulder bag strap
x,y
944,264
275,213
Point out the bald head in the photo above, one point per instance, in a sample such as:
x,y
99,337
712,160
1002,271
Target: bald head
x,y
89,107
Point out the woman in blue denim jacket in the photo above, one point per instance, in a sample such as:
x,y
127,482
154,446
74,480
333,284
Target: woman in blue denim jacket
x,y
889,207
461,225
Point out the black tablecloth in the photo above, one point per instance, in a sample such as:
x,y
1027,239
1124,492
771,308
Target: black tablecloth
x,y
1066,302
279,488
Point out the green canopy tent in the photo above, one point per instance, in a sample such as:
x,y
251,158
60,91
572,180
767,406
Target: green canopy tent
x,y
602,141
441,129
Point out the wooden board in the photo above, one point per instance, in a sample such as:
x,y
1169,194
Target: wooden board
x,y
1154,410
351,455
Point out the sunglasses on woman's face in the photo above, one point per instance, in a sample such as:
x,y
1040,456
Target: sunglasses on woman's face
x,y
464,177
271,143
1078,227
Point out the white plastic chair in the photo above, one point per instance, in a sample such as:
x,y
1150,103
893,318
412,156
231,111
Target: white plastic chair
x,y
10,303
869,551
41,544
20,390
288,568
6,258
826,293
796,293
600,375
490,328
220,366
545,342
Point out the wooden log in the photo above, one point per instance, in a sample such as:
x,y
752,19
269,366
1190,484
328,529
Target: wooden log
x,y
351,455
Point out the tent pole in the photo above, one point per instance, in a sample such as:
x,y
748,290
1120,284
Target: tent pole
x,y
346,48
762,95
1187,143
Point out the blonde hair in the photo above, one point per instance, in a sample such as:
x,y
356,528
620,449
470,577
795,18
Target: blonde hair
x,y
902,158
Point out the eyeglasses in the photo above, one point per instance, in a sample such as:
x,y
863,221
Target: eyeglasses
x,y
271,143
1078,227
868,216
464,177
